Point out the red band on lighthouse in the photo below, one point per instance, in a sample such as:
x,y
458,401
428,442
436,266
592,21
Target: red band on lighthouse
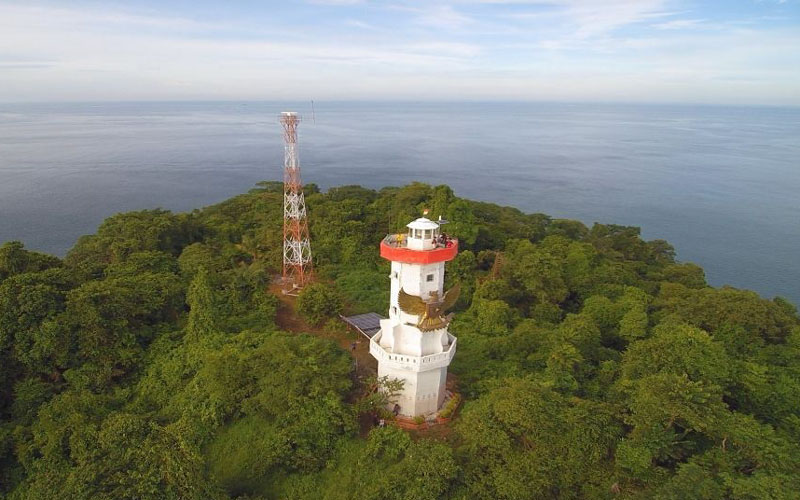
x,y
405,254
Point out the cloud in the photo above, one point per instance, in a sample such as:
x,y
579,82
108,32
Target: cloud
x,y
470,49
594,17
336,2
677,24
440,16
25,65
355,23
41,17
567,24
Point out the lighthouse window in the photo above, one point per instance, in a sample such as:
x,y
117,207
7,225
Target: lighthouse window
x,y
394,309
429,278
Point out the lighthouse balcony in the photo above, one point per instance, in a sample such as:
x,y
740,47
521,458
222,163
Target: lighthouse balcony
x,y
410,362
395,247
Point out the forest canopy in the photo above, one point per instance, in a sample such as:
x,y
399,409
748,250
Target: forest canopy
x,y
149,363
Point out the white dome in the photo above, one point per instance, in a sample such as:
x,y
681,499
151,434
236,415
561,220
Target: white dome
x,y
423,223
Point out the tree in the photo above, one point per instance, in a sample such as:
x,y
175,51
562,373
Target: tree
x,y
537,272
204,314
379,393
150,261
199,255
31,321
526,441
112,320
14,259
463,224
246,452
364,289
712,309
318,302
492,317
678,349
85,452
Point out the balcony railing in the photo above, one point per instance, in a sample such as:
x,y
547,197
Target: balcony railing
x,y
394,247
400,240
415,363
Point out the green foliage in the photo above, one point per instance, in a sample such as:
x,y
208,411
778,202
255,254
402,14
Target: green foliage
x,y
199,255
122,235
82,450
245,453
593,365
462,222
111,320
388,466
537,271
31,305
14,259
364,290
526,441
143,262
492,317
450,407
204,314
318,302
713,310
379,393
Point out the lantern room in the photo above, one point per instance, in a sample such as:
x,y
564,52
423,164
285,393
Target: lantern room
x,y
423,234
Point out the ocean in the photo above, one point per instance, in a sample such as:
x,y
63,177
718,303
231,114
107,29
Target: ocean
x,y
722,184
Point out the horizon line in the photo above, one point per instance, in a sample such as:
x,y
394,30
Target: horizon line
x,y
407,101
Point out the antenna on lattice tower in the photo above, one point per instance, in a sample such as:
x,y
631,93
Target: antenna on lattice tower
x,y
297,265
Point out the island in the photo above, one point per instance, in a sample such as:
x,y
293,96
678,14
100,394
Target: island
x,y
159,359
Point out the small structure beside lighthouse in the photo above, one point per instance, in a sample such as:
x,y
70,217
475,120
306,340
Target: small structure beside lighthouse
x,y
413,343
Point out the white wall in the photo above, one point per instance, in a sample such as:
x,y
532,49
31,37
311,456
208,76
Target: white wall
x,y
423,392
412,278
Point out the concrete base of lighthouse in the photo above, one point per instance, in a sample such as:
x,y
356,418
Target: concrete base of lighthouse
x,y
424,377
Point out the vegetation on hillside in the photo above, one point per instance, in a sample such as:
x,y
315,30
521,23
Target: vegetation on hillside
x,y
148,364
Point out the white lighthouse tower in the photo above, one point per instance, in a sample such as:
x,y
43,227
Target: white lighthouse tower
x,y
413,343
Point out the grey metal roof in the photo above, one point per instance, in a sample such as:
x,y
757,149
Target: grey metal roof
x,y
368,324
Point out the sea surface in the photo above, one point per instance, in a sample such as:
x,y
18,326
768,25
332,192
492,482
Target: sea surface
x,y
722,184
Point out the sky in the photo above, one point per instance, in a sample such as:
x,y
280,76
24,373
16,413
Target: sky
x,y
716,51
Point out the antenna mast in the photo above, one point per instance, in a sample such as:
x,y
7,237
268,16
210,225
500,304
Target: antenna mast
x,y
297,266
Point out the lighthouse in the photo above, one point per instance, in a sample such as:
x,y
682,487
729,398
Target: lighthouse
x,y
413,344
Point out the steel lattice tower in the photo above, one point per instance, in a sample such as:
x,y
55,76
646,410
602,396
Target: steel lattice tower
x,y
297,266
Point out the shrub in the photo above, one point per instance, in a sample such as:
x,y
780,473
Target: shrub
x,y
319,301
451,406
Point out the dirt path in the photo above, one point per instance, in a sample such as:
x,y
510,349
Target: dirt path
x,y
288,320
